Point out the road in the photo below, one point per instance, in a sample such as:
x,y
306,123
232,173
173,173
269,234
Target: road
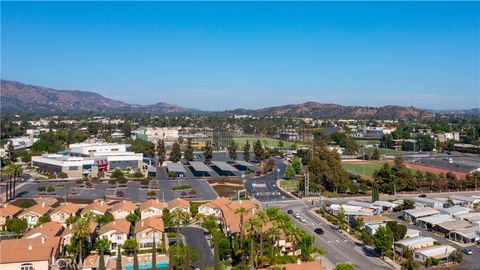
x,y
339,248
265,188
195,238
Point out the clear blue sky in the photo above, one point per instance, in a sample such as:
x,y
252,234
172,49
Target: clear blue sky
x,y
227,55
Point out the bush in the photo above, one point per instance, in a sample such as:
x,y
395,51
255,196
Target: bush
x,y
117,174
62,175
138,174
181,187
172,175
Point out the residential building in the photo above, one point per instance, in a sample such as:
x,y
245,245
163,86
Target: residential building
x,y
414,243
33,213
452,225
179,203
466,201
427,202
8,211
122,209
413,214
96,208
29,254
430,221
214,207
456,211
147,230
64,211
68,234
151,208
440,252
116,231
468,235
49,229
445,136
350,211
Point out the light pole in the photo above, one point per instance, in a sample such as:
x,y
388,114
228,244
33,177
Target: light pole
x,y
278,173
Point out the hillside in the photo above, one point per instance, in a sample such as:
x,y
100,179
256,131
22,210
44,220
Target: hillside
x,y
19,97
335,111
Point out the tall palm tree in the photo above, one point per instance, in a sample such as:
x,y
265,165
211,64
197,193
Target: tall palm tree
x,y
5,173
241,211
263,219
154,254
179,217
119,259
81,230
274,233
135,260
16,171
253,227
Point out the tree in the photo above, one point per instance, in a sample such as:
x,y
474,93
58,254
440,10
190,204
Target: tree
x,y
188,155
141,146
457,256
130,245
386,141
375,154
119,259
167,218
42,220
161,152
81,230
101,261
16,225
258,150
216,258
398,230
375,195
344,266
132,218
242,212
154,254
246,151
232,150
341,216
62,175
11,154
289,171
135,260
383,239
117,174
297,164
208,152
175,154
102,244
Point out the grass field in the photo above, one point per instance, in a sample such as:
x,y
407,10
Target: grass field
x,y
383,151
370,168
289,185
241,141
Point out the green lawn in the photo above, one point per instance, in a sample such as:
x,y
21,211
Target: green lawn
x,y
241,141
383,151
289,185
370,168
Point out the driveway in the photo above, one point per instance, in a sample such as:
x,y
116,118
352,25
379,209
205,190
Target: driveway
x,y
195,238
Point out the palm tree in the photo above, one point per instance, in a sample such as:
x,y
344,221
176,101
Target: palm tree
x,y
294,235
81,230
119,259
241,211
263,219
101,262
179,217
253,226
154,254
16,171
274,233
135,260
5,171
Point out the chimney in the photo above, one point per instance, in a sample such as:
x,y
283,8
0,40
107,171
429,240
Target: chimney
x,y
143,223
156,200
101,202
114,222
44,238
30,247
43,204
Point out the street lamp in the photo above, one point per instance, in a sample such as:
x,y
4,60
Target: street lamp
x,y
278,173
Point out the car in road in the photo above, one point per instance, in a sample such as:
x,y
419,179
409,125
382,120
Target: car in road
x,y
302,219
318,231
422,195
468,251
290,211
296,215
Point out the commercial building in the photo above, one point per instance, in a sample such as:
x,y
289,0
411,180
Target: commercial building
x,y
153,134
88,159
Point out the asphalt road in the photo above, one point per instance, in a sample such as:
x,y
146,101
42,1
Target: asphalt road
x,y
339,248
195,238
265,188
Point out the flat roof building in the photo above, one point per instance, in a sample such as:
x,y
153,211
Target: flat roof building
x,y
428,202
223,168
415,243
438,252
413,214
430,221
466,235
456,210
177,168
199,169
448,226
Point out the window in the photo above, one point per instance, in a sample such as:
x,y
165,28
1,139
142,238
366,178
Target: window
x,y
143,235
26,266
73,168
119,237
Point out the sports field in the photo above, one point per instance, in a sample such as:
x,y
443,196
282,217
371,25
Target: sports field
x,y
269,142
368,168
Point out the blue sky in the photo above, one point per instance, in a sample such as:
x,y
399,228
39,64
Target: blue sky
x,y
228,55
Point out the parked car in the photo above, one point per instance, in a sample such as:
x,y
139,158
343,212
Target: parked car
x,y
318,231
422,195
468,251
302,219
290,211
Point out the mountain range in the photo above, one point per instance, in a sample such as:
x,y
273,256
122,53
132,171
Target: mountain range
x,y
17,97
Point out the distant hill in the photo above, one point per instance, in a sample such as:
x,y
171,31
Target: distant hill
x,y
335,111
474,111
19,97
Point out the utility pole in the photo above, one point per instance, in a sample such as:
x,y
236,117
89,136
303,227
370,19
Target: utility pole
x,y
307,183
